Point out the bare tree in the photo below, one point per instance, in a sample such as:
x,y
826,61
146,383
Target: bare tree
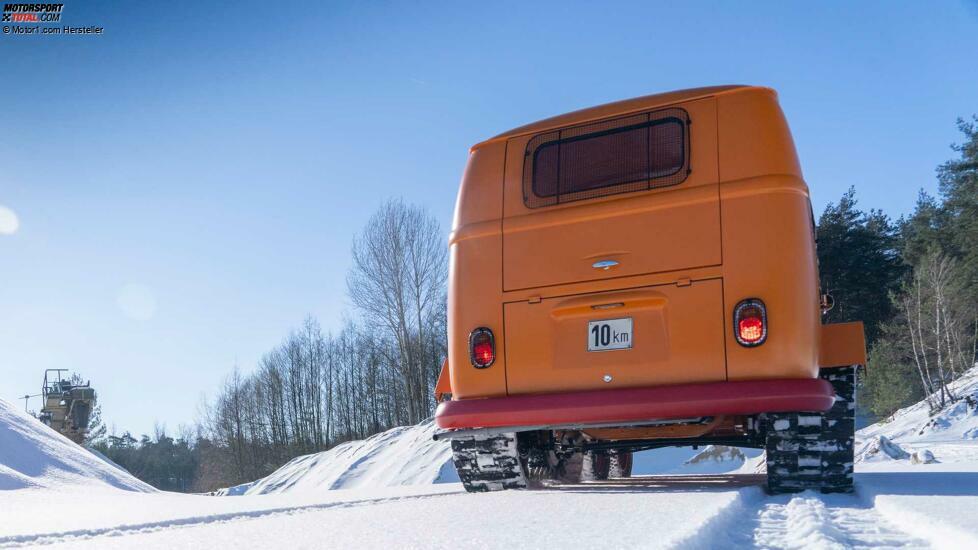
x,y
397,281
940,326
313,391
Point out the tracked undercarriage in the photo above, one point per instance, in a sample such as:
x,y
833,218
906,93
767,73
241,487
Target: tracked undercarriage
x,y
509,461
805,450
814,450
489,463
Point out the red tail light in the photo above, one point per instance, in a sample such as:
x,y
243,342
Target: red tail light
x,y
750,322
482,348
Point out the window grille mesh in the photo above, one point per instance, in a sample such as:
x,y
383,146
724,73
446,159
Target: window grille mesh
x,y
633,153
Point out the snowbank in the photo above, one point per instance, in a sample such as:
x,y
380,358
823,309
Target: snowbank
x,y
400,456
881,447
33,455
920,471
950,435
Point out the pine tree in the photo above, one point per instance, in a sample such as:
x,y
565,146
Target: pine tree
x,y
924,231
890,381
859,264
958,184
96,436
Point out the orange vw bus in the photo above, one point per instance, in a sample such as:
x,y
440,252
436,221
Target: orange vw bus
x,y
637,275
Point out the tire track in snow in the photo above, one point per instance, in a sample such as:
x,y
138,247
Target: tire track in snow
x,y
809,520
15,541
803,521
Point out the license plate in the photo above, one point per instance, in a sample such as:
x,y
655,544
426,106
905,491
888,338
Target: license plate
x,y
609,334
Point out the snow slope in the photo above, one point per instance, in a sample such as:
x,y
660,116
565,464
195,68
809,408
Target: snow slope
x,y
400,456
913,436
34,456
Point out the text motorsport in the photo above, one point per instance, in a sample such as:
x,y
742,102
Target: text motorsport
x,y
40,13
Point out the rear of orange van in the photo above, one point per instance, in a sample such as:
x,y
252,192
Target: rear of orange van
x,y
586,257
612,249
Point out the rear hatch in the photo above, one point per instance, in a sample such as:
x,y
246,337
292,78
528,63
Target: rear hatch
x,y
576,214
676,336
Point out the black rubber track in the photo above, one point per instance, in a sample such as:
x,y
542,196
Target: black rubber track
x,y
488,463
811,450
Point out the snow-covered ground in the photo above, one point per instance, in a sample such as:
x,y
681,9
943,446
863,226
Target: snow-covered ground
x,y
950,436
393,490
400,456
33,456
704,511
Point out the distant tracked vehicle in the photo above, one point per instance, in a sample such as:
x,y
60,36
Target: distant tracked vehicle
x,y
66,404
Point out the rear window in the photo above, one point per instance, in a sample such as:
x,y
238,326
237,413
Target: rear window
x,y
622,155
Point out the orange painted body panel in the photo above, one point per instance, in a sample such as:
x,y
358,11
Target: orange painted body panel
x,y
769,253
547,351
475,274
843,344
443,386
737,226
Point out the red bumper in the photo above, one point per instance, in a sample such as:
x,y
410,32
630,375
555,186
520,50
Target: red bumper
x,y
638,404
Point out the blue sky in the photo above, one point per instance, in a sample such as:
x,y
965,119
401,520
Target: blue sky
x,y
187,184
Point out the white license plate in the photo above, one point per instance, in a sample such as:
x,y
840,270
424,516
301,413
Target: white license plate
x,y
609,334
